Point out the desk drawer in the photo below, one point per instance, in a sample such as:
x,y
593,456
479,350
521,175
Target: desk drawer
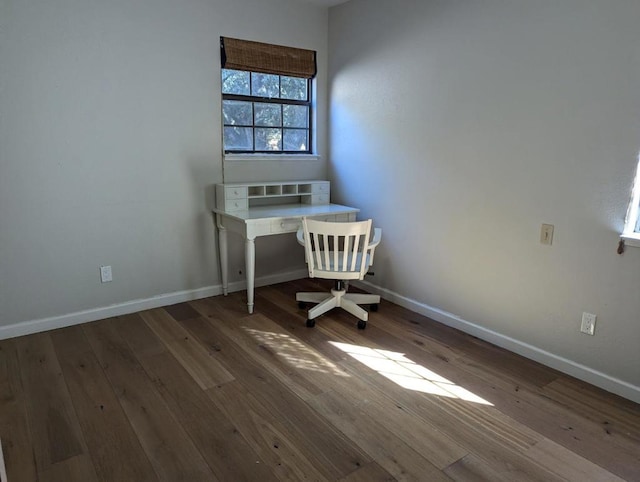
x,y
235,192
286,225
232,205
346,217
319,199
326,218
320,188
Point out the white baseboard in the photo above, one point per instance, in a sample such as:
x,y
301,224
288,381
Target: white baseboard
x,y
577,370
133,306
3,468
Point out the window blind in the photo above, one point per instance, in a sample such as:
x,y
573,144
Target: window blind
x,y
267,58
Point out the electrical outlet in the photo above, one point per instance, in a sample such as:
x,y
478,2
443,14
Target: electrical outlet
x,y
105,274
588,325
546,234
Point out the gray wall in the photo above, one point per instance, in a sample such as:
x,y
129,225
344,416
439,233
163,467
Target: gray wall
x,y
109,140
461,127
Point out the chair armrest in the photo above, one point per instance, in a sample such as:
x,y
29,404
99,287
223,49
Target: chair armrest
x,y
377,236
300,236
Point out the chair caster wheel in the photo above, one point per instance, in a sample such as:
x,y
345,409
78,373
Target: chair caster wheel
x,y
311,323
362,325
302,305
374,307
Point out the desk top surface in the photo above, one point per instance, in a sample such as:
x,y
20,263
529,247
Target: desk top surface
x,y
287,211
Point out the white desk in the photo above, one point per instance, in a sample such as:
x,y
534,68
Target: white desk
x,y
264,221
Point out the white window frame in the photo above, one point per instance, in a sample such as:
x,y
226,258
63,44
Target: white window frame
x,y
248,156
231,154
629,234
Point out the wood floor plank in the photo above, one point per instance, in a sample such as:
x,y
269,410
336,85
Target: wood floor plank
x,y
568,464
485,434
391,453
221,444
181,311
510,391
521,401
278,446
324,445
55,431
434,445
276,306
144,343
416,324
372,472
613,413
309,363
79,467
278,352
507,430
473,469
495,424
200,364
487,386
170,450
14,428
501,449
115,450
312,364
560,423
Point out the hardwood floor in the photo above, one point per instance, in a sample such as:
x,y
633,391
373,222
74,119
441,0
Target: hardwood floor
x,y
203,391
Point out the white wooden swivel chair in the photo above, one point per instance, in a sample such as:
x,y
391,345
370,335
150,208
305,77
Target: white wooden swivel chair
x,y
340,251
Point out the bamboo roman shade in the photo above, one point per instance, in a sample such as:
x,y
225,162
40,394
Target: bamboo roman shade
x,y
266,58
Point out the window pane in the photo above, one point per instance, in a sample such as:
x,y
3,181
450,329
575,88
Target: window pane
x,y
295,115
268,139
235,82
268,115
296,140
265,85
293,88
237,113
238,138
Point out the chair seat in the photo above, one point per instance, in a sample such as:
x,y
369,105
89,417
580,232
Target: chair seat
x,y
334,272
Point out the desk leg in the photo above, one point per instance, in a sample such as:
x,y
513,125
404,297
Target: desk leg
x,y
224,261
250,269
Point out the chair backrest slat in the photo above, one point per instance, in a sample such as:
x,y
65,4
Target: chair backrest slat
x,y
318,252
338,265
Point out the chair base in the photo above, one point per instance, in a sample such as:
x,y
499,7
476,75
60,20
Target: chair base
x,y
339,298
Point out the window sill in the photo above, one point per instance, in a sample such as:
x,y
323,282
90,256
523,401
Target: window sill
x,y
631,239
271,157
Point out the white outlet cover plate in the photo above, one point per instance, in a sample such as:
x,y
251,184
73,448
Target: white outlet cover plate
x,y
588,325
105,274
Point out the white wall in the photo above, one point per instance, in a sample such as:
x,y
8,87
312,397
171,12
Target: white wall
x,y
461,127
109,140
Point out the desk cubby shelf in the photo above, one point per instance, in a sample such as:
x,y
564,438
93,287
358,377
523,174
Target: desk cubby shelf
x,y
239,196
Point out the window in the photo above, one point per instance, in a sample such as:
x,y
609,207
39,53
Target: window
x,y
266,97
265,112
631,233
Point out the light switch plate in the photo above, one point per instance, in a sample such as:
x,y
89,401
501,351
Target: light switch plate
x,y
546,234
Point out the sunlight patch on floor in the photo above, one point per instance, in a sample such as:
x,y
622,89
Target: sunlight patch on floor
x,y
294,352
406,373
